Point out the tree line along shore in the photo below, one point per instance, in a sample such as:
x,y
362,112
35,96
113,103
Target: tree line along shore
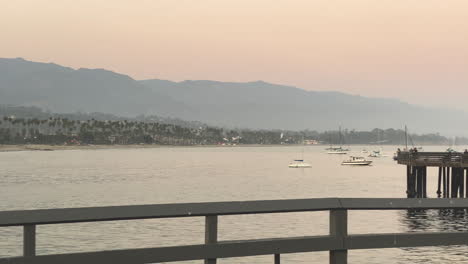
x,y
64,131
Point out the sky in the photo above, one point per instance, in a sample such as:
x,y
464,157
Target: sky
x,y
416,51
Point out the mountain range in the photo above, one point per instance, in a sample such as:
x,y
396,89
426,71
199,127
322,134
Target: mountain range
x,y
256,105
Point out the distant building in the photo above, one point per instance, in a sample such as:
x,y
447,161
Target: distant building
x,y
311,142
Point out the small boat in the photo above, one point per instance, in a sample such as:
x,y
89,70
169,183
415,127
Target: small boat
x,y
359,161
340,149
450,150
339,152
299,164
377,154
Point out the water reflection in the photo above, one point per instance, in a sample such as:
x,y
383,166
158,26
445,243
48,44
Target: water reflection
x,y
445,220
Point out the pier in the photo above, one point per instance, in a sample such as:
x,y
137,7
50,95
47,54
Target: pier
x,y
338,242
452,173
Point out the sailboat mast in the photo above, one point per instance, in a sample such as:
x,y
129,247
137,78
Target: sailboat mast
x,y
302,156
406,137
339,131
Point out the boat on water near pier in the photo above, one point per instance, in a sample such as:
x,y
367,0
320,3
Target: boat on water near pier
x,y
299,164
359,161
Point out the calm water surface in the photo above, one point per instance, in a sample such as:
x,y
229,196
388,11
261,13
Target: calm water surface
x,y
79,178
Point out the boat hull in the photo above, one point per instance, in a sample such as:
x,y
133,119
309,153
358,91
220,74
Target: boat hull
x,y
337,152
357,163
299,166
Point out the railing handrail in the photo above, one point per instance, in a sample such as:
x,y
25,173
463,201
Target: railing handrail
x,y
338,242
134,212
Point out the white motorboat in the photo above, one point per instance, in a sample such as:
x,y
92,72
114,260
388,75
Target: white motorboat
x,y
299,164
359,161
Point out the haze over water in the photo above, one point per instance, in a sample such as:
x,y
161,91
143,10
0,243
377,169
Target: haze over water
x,y
81,178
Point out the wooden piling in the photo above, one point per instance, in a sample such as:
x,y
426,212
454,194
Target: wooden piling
x,y
461,182
412,193
466,182
439,182
408,181
444,181
418,182
424,183
453,187
448,182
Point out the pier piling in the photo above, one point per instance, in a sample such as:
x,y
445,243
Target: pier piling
x,y
444,172
462,182
439,179
452,176
448,182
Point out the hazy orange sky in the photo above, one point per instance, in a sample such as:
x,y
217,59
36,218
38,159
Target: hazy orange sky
x,y
413,50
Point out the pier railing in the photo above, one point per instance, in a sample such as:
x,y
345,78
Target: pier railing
x,y
338,242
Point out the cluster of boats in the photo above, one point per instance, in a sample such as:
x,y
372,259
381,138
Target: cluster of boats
x,y
352,160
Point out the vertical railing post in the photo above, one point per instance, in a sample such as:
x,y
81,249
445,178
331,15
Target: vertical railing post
x,y
339,229
211,233
277,259
29,240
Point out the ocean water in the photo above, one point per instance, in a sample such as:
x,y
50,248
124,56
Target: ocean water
x,y
82,178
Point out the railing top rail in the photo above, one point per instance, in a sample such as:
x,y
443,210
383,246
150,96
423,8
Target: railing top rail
x,y
132,212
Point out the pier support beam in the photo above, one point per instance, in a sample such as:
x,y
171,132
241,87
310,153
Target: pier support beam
x,y
418,182
466,182
439,180
408,180
454,186
444,181
424,181
448,182
413,182
461,182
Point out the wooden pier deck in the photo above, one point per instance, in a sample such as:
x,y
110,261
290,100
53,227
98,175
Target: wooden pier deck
x,y
433,159
452,177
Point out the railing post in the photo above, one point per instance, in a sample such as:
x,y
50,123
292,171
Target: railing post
x,y
211,233
29,240
339,229
277,259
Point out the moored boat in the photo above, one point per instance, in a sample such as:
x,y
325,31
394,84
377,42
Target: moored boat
x,y
338,151
359,161
299,164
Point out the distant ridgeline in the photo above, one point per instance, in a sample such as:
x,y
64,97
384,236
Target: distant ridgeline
x,y
31,125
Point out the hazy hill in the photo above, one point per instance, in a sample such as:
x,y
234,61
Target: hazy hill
x,y
264,105
62,89
247,105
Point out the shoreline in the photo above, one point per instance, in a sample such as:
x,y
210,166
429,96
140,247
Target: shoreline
x,y
39,147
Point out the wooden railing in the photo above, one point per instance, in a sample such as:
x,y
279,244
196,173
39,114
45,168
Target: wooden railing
x,y
338,242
